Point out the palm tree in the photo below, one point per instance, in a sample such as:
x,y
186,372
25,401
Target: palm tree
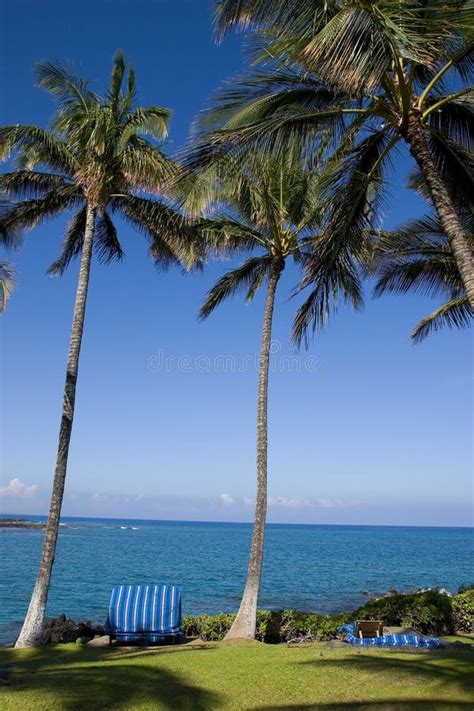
x,y
95,159
273,208
418,258
374,75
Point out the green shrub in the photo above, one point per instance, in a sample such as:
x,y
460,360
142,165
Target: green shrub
x,y
428,612
291,625
273,626
207,627
463,611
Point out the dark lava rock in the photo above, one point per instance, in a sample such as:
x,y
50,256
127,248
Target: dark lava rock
x,y
62,630
20,523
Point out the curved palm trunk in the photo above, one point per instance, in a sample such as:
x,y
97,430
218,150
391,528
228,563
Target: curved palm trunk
x,y
31,633
245,623
462,247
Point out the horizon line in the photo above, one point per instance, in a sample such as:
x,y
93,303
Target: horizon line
x,y
20,516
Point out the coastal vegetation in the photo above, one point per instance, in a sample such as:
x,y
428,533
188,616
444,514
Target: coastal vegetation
x,y
428,612
462,606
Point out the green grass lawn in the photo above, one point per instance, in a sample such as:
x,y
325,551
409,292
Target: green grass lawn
x,y
239,675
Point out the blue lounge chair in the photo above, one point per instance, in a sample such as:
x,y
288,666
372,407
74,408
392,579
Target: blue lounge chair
x,y
150,613
387,640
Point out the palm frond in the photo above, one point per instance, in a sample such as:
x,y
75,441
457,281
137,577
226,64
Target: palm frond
x,y
29,213
352,186
127,100
417,257
293,16
147,168
425,275
107,245
173,239
455,121
116,80
152,120
463,58
334,278
76,102
63,84
30,184
355,192
72,243
456,313
351,50
456,166
37,146
10,234
282,113
224,235
7,284
248,277
253,98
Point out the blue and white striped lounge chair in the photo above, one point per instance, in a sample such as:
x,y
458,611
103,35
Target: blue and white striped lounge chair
x,y
388,640
149,613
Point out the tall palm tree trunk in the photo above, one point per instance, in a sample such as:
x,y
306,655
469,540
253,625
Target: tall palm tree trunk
x,y
460,243
31,632
245,623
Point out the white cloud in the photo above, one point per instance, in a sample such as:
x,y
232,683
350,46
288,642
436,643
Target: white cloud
x,y
292,502
18,489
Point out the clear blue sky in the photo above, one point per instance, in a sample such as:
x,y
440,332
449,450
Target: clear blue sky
x,y
369,429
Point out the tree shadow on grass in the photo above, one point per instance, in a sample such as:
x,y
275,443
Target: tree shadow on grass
x,y
456,669
152,652
102,681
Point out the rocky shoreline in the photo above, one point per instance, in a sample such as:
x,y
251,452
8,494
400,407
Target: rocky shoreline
x,y
24,523
62,630
433,611
20,523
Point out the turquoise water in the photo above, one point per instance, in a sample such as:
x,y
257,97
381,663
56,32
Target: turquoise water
x,y
317,568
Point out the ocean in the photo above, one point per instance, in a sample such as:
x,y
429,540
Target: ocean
x,y
308,567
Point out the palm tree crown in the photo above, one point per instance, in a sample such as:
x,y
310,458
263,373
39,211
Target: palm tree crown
x,y
274,206
362,77
96,155
267,205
